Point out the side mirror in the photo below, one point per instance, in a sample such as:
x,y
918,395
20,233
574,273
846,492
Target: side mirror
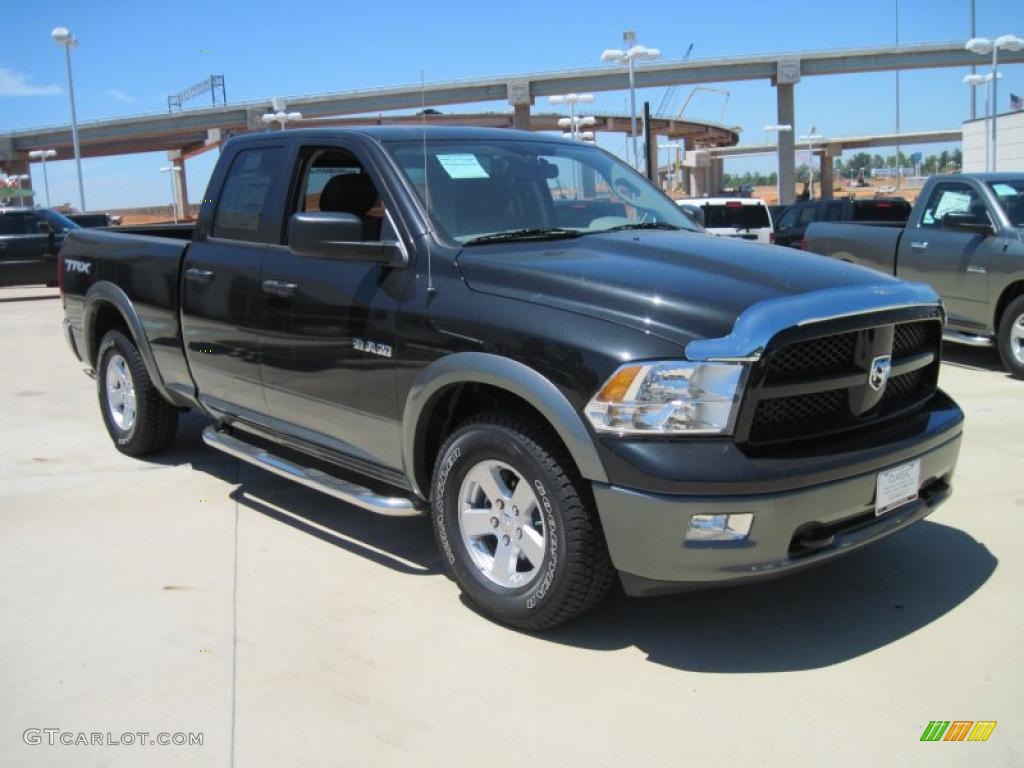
x,y
332,235
967,222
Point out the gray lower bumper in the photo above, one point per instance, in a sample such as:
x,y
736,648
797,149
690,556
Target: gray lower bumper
x,y
645,531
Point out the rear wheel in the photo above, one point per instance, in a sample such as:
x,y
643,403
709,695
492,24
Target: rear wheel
x,y
1011,337
516,524
137,417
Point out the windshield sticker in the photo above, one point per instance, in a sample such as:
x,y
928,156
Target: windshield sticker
x,y
462,166
1004,190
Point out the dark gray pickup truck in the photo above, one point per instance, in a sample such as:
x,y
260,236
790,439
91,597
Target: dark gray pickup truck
x,y
523,338
30,239
965,237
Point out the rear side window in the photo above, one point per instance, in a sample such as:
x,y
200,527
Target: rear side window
x,y
735,216
18,223
245,196
881,210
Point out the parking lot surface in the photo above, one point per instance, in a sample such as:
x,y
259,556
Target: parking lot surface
x,y
190,593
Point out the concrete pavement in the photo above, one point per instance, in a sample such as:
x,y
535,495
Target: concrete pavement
x,y
195,594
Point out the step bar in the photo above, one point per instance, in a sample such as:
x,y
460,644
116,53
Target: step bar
x,y
969,339
357,495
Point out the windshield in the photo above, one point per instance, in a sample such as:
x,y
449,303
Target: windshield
x,y
482,190
58,221
735,216
1010,195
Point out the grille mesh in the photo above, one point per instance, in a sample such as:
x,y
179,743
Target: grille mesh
x,y
830,354
784,411
909,338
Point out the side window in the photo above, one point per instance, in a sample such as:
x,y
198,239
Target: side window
x,y
834,212
18,223
807,215
788,219
335,180
952,198
244,199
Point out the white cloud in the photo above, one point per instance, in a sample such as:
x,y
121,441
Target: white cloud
x,y
16,84
120,95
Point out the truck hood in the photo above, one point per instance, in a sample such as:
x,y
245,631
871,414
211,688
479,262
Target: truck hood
x,y
680,286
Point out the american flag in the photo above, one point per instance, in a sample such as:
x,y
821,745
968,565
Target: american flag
x,y
1016,102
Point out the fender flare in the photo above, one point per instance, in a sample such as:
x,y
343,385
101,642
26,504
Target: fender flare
x,y
511,376
107,292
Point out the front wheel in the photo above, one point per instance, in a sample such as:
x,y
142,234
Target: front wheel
x,y
1011,337
516,524
137,417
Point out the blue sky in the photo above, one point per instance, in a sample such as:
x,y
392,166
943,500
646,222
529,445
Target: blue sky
x,y
133,54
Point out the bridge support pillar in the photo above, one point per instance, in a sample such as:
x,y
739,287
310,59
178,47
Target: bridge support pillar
x,y
787,75
828,159
180,184
521,100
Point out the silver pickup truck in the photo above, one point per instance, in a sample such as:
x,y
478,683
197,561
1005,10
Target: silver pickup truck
x,y
965,237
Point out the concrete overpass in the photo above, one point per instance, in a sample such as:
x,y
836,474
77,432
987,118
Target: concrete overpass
x,y
828,148
192,131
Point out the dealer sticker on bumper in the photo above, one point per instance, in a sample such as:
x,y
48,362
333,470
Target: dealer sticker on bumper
x,y
896,487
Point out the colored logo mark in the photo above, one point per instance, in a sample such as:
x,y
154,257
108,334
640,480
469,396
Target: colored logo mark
x,y
958,730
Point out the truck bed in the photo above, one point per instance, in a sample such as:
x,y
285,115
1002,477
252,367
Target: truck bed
x,y
145,263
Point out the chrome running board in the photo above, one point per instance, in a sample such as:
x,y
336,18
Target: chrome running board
x,y
970,339
357,495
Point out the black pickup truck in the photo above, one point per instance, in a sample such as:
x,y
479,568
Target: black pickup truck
x,y
30,239
792,223
523,338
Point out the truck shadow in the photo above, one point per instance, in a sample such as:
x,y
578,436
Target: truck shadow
x,y
809,620
824,616
975,358
402,544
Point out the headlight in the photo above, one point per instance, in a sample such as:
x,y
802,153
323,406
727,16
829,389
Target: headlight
x,y
668,398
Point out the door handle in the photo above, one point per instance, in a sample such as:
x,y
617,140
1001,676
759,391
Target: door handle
x,y
198,275
919,245
279,288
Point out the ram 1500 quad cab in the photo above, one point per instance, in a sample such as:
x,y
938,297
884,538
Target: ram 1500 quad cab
x,y
965,238
523,338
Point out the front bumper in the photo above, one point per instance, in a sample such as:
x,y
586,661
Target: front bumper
x,y
792,529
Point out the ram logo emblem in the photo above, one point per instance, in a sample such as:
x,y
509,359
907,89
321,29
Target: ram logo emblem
x,y
881,367
372,347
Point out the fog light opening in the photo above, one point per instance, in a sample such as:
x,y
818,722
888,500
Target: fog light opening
x,y
719,527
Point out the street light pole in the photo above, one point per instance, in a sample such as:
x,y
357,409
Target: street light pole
x,y
63,37
41,155
629,57
810,139
983,46
974,81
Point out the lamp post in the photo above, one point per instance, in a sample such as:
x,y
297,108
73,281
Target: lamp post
x,y
279,115
634,53
810,138
777,129
572,99
42,155
983,46
974,81
61,36
174,171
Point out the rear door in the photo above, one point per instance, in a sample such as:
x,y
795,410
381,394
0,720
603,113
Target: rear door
x,y
221,297
954,263
329,324
27,253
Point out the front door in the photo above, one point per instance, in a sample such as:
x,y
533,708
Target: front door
x,y
954,263
329,324
221,295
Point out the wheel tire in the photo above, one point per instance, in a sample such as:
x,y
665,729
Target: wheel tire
x,y
1011,337
155,421
575,572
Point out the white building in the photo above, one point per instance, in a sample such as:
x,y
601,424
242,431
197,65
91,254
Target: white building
x,y
1010,143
